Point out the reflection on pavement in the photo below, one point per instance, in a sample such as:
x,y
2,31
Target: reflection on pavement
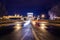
x,y
20,33
17,27
27,32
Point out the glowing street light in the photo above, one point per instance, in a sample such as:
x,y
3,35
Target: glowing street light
x,y
42,15
43,25
17,26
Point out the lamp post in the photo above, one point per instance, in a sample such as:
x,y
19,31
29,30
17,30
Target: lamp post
x,y
42,16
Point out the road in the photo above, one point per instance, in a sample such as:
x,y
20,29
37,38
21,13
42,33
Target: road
x,y
46,30
48,33
28,32
16,32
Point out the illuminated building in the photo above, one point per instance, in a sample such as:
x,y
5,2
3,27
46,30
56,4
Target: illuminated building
x,y
30,15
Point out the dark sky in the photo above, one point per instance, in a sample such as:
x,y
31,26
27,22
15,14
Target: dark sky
x,y
24,6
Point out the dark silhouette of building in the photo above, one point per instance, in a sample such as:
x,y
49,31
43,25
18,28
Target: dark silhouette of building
x,y
2,9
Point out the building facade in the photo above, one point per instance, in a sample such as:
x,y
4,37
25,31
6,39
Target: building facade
x,y
30,15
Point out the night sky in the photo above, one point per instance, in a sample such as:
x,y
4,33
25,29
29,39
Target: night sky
x,y
23,6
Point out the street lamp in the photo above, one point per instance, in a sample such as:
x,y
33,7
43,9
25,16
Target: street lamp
x,y
42,16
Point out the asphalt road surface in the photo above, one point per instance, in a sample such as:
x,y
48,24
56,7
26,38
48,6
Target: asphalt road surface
x,y
25,32
16,32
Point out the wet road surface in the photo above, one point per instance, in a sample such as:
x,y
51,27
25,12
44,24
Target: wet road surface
x,y
47,32
16,32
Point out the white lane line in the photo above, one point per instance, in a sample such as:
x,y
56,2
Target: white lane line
x,y
24,35
35,35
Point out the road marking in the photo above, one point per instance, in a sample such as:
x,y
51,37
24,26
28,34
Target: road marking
x,y
24,36
35,35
